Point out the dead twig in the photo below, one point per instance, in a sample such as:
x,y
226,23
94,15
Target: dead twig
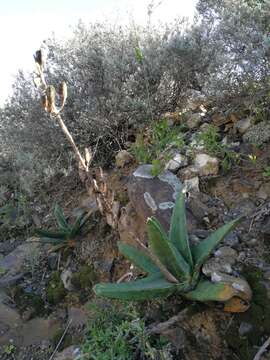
x,y
262,349
122,278
65,130
61,339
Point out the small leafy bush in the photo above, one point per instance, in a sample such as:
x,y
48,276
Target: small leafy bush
x,y
266,172
64,236
213,145
173,266
118,333
155,149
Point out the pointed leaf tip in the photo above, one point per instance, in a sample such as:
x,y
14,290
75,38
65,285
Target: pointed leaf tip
x,y
178,235
138,258
60,218
202,251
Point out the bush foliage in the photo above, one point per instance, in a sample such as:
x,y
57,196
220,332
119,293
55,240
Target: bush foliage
x,y
119,78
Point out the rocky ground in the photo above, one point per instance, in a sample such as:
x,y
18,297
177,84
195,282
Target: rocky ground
x,y
44,294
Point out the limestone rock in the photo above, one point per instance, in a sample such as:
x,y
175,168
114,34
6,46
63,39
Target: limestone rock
x,y
194,121
66,277
178,161
243,125
192,184
123,158
195,100
206,165
227,253
264,191
222,262
231,239
215,265
151,196
70,353
188,173
78,316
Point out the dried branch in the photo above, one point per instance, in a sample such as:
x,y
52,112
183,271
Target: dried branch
x,y
262,349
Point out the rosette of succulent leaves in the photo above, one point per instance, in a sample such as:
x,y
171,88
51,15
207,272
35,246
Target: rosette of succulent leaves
x,y
174,266
65,235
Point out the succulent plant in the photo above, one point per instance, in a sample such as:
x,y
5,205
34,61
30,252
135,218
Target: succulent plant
x,y
64,236
174,266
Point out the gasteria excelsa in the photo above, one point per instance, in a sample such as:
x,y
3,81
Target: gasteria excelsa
x,y
173,265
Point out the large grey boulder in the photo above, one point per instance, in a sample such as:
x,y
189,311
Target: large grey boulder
x,y
153,196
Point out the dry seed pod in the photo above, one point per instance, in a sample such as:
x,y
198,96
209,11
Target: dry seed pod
x,y
50,92
44,102
63,93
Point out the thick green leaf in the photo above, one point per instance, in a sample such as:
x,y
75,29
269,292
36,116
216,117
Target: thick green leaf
x,y
201,251
138,258
166,252
58,247
178,229
51,234
151,287
208,291
52,241
161,229
60,217
80,221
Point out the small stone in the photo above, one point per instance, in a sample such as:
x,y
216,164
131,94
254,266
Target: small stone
x,y
206,165
70,353
66,277
195,146
231,239
78,316
194,121
192,184
204,127
123,158
188,173
195,100
264,191
228,253
178,161
253,242
216,265
245,328
243,125
194,240
241,256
